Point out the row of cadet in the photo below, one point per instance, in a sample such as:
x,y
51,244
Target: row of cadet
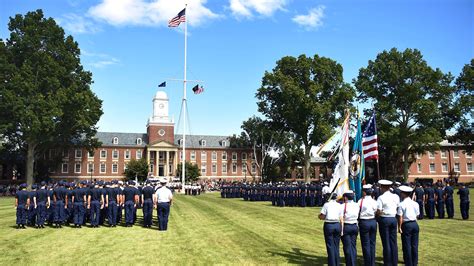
x,y
193,189
392,211
76,204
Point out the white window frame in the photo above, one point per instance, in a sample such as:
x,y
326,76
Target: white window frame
x,y
62,168
139,141
254,168
203,158
102,152
214,168
78,153
104,170
467,167
115,140
224,143
75,168
444,154
458,166
234,156
65,153
127,155
444,167
431,154
139,154
89,155
203,143
455,153
115,165
234,168
203,168
224,168
224,156
214,156
244,156
244,168
434,166
115,151
193,156
418,167
89,169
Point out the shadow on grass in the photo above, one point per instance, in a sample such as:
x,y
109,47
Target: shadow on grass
x,y
301,257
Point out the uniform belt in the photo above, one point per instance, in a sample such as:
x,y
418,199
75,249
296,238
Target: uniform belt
x,y
331,222
367,218
355,222
411,221
388,216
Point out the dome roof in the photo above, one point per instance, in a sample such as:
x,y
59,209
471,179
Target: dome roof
x,y
161,95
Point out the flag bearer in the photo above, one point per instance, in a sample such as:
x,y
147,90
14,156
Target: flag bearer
x,y
331,213
408,210
368,225
350,230
387,205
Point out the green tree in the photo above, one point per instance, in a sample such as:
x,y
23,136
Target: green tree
x,y
414,104
137,168
45,95
465,104
305,97
192,171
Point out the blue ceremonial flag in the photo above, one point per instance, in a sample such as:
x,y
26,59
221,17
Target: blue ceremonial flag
x,y
163,84
357,167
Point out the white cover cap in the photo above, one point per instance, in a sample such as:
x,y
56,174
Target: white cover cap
x,y
385,182
406,189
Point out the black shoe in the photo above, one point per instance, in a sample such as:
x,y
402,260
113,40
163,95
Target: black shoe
x,y
18,226
23,226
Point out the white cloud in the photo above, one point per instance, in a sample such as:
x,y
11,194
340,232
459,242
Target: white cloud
x,y
98,60
104,63
312,20
246,8
77,24
150,13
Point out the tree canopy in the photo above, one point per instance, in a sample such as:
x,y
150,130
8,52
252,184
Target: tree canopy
x,y
465,104
137,168
192,171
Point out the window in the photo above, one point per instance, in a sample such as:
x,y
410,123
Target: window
x,y
234,156
444,167
139,154
455,153
65,153
456,167
431,154
193,156
214,168
103,168
203,156
254,168
115,154
224,156
114,168
125,166
64,168
432,167
152,168
103,154
90,154
234,168
468,155
180,155
203,143
139,141
90,168
115,140
203,168
77,168
443,154
244,168
224,168
78,153
252,155
127,154
224,143
244,156
418,167
214,156
469,167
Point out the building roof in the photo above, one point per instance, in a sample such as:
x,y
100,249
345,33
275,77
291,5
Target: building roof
x,y
124,139
196,141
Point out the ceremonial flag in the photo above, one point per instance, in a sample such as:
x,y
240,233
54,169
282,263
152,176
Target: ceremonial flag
x,y
339,182
181,17
197,89
163,84
357,163
369,140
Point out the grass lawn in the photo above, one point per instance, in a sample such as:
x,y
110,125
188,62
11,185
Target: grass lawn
x,y
209,230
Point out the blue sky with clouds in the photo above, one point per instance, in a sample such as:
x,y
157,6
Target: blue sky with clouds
x,y
128,47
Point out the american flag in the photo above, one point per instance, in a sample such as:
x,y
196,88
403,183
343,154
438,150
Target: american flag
x,y
198,89
369,140
181,17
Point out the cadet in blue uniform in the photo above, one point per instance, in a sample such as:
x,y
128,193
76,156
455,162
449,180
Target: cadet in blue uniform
x,y
22,203
59,198
448,200
419,197
163,201
95,202
79,200
131,199
112,203
387,205
463,193
430,202
331,213
407,212
439,199
368,225
350,230
121,202
69,204
42,201
104,209
32,208
147,199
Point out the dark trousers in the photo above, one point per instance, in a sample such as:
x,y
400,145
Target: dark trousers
x,y
368,236
303,200
103,215
420,205
440,208
59,212
388,235
112,212
32,215
430,208
119,214
21,214
69,213
465,209
163,214
129,211
410,232
450,207
79,211
332,236
41,213
95,212
312,200
147,212
349,240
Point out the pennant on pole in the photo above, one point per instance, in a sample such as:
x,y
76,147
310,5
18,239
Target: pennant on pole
x,y
163,84
357,168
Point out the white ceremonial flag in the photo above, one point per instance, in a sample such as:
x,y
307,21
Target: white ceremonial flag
x,y
340,179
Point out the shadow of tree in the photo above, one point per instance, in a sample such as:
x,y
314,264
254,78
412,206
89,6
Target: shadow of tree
x,y
301,257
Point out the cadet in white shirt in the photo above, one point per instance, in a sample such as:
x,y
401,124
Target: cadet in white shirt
x,y
331,213
408,211
163,200
387,205
368,225
350,229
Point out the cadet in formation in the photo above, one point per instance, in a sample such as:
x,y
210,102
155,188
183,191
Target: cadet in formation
x,y
147,199
449,200
130,194
350,229
95,202
43,202
163,200
430,201
419,196
463,193
60,204
22,203
332,214
408,211
439,199
367,225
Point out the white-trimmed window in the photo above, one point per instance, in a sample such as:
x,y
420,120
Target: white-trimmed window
x,y
139,154
214,168
254,168
103,168
418,167
224,168
252,155
432,167
193,156
444,167
456,167
103,154
78,153
234,156
125,166
115,154
180,142
127,155
444,154
139,141
90,168
64,168
115,140
234,168
456,153
203,143
77,168
214,156
65,153
115,168
203,168
224,156
244,156
244,168
431,154
203,156
469,167
152,168
224,143
90,155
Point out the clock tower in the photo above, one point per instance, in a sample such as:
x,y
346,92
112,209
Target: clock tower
x,y
160,127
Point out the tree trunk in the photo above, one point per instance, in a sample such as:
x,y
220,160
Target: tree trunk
x,y
30,162
307,163
405,164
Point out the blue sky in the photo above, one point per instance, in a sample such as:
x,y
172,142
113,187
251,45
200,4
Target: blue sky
x,y
128,47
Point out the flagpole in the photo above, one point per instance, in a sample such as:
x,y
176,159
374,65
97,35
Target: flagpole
x,y
183,168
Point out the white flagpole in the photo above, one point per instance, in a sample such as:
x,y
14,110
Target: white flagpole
x,y
183,171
